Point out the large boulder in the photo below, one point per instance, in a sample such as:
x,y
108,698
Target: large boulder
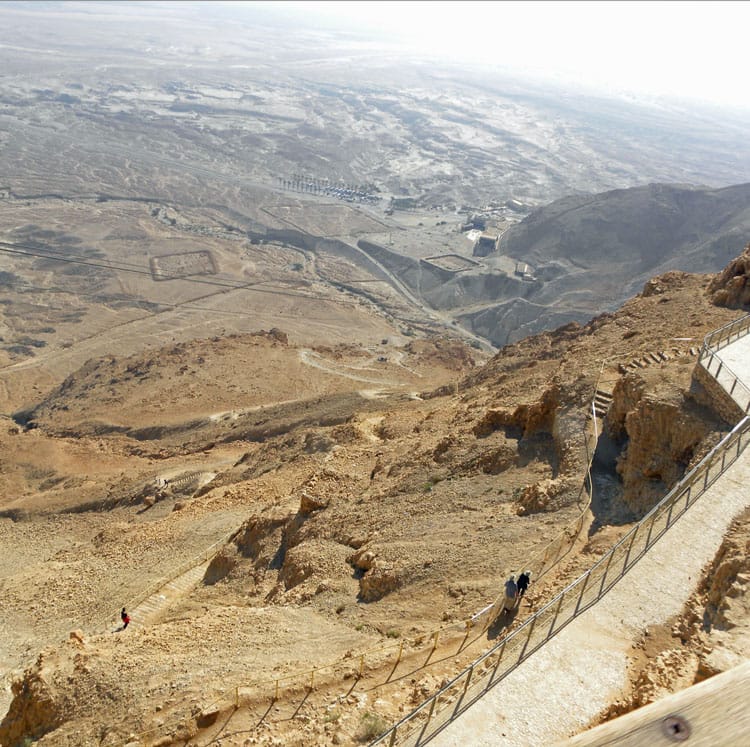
x,y
731,287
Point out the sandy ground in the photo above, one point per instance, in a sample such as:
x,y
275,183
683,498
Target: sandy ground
x,y
588,660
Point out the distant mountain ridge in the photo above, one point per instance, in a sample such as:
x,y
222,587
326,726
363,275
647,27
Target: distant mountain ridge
x,y
594,251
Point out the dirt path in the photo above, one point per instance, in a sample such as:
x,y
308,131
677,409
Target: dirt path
x,y
569,681
584,668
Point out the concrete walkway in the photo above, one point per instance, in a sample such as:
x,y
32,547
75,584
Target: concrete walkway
x,y
736,360
558,690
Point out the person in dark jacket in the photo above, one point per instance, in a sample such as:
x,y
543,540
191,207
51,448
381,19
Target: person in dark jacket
x,y
523,583
125,617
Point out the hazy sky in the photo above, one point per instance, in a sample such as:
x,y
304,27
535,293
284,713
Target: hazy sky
x,y
686,49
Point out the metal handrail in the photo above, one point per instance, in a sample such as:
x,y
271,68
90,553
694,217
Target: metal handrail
x,y
715,341
684,489
724,334
681,490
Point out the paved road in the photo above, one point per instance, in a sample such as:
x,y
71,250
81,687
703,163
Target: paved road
x,y
557,691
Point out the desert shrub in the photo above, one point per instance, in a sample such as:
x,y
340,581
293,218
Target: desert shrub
x,y
371,725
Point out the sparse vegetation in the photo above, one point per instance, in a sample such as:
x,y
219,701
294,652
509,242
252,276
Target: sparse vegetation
x,y
371,725
332,716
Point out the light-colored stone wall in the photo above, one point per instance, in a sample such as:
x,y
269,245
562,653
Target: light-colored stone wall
x,y
715,396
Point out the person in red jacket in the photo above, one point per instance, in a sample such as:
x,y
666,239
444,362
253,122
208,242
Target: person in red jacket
x,y
125,617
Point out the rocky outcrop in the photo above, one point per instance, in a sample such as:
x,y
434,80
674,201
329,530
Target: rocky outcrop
x,y
661,431
731,287
377,577
379,581
541,496
57,689
727,580
35,709
221,565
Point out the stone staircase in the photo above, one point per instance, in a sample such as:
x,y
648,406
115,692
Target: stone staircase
x,y
155,604
655,357
602,401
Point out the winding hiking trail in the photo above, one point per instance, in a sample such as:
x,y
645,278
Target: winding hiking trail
x,y
560,689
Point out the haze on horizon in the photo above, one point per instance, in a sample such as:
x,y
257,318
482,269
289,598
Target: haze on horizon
x,y
693,51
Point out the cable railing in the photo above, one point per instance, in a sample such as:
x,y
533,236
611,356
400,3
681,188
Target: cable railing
x,y
710,359
492,666
723,336
434,714
385,658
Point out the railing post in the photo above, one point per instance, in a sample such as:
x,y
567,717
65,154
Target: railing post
x,y
432,708
528,638
393,736
465,638
606,570
650,528
400,651
468,679
580,596
669,514
499,659
557,612
630,547
432,650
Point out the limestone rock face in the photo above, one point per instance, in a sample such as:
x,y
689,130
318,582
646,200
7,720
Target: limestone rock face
x,y
379,577
309,503
362,560
260,537
495,461
56,690
731,287
661,431
34,711
727,582
540,496
221,565
316,561
379,581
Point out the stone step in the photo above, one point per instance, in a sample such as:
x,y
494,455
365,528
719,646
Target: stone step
x,y
172,590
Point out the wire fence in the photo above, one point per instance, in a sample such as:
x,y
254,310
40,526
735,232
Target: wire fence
x,y
428,719
387,660
434,714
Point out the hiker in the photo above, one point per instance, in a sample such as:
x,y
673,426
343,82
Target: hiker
x,y
523,583
125,617
511,594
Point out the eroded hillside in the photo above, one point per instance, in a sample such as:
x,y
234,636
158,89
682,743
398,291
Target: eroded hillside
x,y
365,503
